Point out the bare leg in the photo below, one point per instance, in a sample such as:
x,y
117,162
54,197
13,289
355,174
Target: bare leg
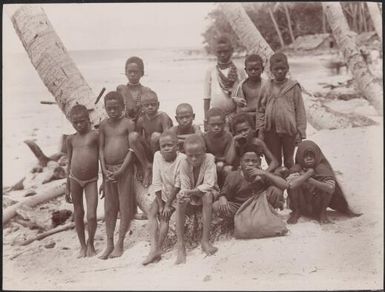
x,y
92,204
325,200
77,199
163,230
111,206
180,220
294,205
207,247
154,234
125,212
137,144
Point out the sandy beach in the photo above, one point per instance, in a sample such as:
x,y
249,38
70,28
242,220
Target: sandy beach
x,y
345,255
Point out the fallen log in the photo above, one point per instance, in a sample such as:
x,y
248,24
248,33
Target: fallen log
x,y
57,189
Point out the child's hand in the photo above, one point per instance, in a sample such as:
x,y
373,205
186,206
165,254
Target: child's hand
x,y
167,211
241,102
68,192
224,206
253,171
183,196
115,175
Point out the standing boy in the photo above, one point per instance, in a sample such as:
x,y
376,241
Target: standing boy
x,y
249,92
116,161
284,112
198,179
82,149
222,79
165,185
185,117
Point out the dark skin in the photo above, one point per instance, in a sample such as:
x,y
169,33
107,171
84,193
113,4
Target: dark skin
x,y
82,149
251,87
114,145
243,134
306,176
160,209
195,155
251,170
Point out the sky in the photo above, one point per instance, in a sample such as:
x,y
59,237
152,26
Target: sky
x,y
119,25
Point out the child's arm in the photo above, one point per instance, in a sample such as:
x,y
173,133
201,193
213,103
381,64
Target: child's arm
x,y
299,180
230,152
327,186
209,179
69,154
166,122
207,94
101,150
274,179
300,113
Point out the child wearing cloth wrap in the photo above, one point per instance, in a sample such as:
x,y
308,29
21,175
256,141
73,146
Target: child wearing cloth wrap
x,y
283,112
313,186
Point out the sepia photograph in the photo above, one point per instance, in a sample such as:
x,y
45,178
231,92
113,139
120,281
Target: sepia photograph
x,y
193,146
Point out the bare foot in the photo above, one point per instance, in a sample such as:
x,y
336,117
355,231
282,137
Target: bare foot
x,y
293,218
152,258
208,248
82,252
118,251
323,219
106,252
181,255
90,250
147,177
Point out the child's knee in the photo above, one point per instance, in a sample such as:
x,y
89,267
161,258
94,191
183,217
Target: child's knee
x,y
91,217
155,137
220,165
227,169
215,206
207,199
133,137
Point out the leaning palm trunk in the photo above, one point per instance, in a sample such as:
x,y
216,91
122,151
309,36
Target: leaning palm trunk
x,y
376,17
320,117
52,61
346,42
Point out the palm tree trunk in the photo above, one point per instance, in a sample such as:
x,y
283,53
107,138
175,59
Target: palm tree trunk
x,y
346,42
289,21
276,27
376,17
247,32
52,61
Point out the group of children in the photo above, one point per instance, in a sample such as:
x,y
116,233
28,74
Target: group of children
x,y
216,170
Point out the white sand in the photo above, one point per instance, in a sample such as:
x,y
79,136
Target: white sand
x,y
344,255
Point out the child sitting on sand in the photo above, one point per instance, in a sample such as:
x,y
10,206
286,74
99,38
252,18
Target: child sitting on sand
x,y
283,111
222,80
165,185
82,151
219,142
145,140
133,91
185,117
313,186
198,179
249,92
116,161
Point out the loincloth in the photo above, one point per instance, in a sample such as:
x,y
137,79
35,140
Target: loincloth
x,y
81,182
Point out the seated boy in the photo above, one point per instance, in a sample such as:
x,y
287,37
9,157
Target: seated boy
x,y
82,151
283,112
244,135
185,117
247,181
145,140
165,185
222,79
133,91
250,90
116,161
198,179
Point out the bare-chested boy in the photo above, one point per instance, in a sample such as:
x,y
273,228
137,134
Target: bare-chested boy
x,y
116,161
149,126
219,142
249,92
198,178
185,117
82,149
165,185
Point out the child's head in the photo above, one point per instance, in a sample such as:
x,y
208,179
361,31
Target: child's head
x,y
195,149
80,118
242,124
149,102
168,145
223,49
254,66
309,159
215,121
279,66
184,115
250,158
114,104
134,69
